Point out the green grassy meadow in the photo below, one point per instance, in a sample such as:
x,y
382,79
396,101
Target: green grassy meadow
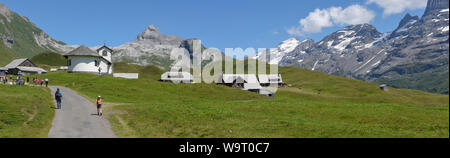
x,y
25,112
345,108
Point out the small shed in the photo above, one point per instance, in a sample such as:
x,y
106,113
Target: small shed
x,y
384,87
177,77
271,80
127,75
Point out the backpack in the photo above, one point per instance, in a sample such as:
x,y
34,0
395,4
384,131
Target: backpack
x,y
58,95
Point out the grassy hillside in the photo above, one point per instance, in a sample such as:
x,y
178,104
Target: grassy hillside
x,y
344,108
49,58
22,32
25,112
5,55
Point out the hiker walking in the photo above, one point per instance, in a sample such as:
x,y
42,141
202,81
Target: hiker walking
x,y
58,98
99,106
46,82
42,82
28,80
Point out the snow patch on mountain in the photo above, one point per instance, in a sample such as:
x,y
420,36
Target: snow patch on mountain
x,y
276,54
341,46
443,29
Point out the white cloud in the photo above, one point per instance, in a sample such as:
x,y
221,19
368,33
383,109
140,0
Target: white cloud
x,y
398,6
352,15
322,18
316,21
295,31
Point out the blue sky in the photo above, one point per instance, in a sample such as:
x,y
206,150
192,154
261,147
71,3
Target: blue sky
x,y
219,24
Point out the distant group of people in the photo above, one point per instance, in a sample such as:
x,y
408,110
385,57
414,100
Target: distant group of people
x,y
36,81
8,79
4,79
19,80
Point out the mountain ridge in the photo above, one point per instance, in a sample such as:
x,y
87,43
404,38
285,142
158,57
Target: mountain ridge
x,y
360,51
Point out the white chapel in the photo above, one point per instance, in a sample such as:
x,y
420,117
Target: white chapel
x,y
85,60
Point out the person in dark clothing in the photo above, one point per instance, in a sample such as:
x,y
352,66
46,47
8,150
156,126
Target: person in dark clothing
x,y
58,98
28,80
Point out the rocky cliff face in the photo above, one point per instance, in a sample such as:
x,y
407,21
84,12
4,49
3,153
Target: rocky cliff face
x,y
337,51
433,5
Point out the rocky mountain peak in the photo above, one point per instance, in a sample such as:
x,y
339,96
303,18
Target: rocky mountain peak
x,y
407,19
152,28
358,36
151,32
288,45
152,36
361,28
433,5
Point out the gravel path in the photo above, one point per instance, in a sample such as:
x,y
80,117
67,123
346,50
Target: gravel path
x,y
78,118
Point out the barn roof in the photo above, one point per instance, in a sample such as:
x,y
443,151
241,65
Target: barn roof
x,y
30,69
15,63
230,78
82,51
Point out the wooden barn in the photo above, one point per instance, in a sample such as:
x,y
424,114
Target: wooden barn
x,y
24,67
